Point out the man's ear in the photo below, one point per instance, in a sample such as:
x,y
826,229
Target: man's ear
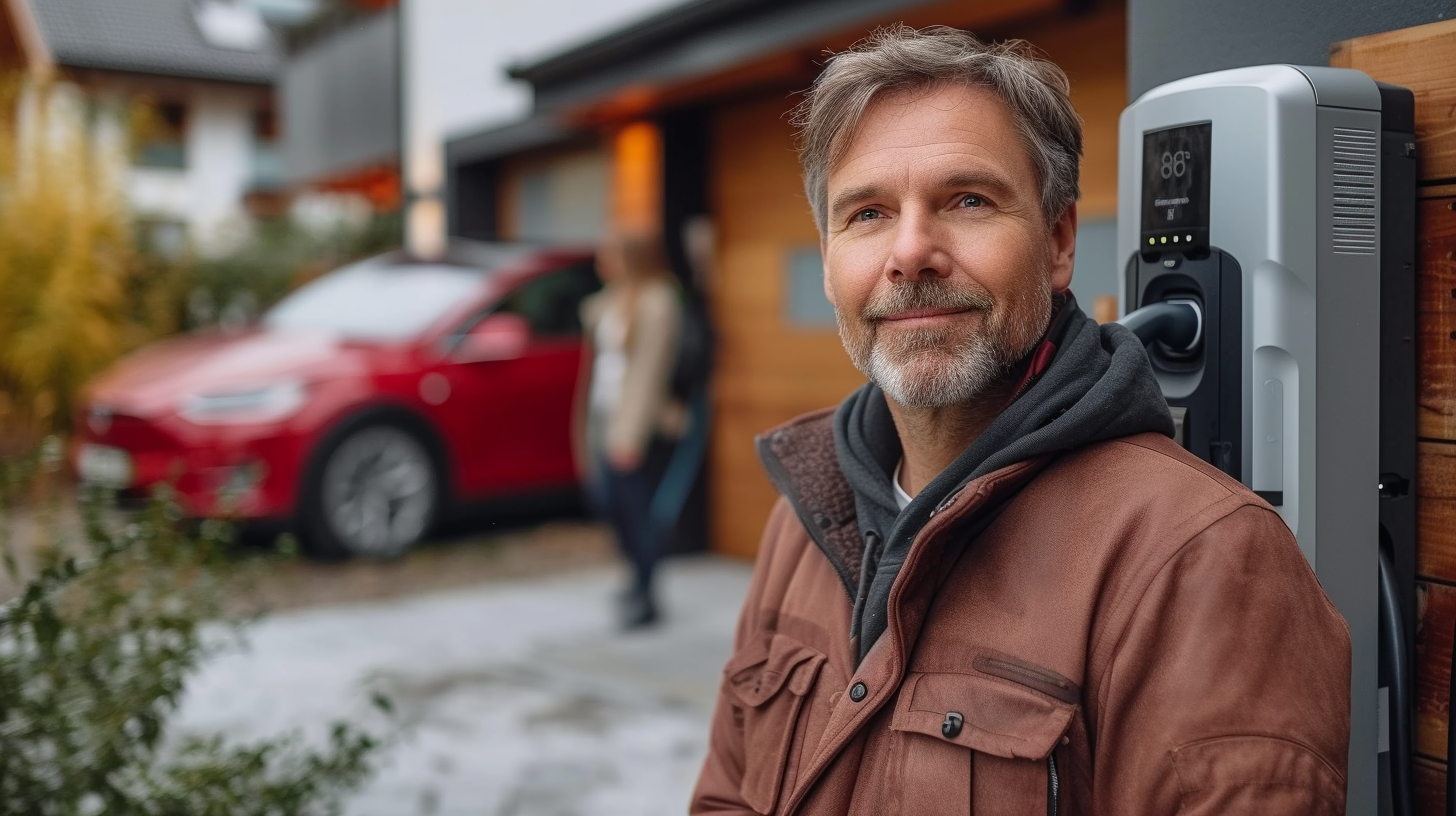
x,y
828,290
1064,249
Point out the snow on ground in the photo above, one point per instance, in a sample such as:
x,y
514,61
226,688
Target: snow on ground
x,y
517,699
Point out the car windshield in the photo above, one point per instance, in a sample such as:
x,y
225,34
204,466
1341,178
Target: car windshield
x,y
376,302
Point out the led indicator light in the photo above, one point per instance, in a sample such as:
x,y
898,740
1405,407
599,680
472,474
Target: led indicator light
x,y
1164,239
1175,239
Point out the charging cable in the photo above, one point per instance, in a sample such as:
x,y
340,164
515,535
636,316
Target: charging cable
x,y
1392,629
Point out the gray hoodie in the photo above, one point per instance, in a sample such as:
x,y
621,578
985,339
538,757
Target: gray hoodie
x,y
1097,386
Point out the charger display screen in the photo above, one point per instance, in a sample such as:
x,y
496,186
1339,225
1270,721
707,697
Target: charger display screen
x,y
1176,173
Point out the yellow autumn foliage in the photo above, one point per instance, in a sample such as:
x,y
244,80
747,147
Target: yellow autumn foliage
x,y
67,262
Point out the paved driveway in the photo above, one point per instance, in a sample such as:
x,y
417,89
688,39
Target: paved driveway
x,y
518,698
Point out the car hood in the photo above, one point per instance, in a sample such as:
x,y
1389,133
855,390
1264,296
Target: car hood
x,y
155,379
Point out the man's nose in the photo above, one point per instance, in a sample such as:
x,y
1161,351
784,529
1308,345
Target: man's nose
x,y
918,250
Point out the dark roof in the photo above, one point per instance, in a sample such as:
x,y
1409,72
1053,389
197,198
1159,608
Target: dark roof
x,y
146,36
532,133
694,39
651,31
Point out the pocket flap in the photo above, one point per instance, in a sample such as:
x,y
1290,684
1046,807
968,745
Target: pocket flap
x,y
999,717
757,672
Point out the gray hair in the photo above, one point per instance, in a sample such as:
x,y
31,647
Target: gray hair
x,y
900,58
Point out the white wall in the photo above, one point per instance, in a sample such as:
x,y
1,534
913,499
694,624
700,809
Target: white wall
x,y
208,195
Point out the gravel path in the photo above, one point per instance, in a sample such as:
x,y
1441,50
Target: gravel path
x,y
517,695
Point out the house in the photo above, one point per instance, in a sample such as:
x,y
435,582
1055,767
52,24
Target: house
x,y
372,89
208,158
678,122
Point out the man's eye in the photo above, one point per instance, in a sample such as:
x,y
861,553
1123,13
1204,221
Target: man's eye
x,y
866,215
972,201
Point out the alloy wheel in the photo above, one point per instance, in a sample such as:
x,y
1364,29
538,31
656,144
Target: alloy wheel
x,y
379,492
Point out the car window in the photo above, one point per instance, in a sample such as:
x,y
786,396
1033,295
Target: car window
x,y
370,301
551,303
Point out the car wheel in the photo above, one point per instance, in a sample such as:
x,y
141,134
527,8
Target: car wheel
x,y
376,495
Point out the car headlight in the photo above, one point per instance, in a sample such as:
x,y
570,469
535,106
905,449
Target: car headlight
x,y
268,403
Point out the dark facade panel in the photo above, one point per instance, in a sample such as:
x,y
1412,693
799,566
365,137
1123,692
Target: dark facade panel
x,y
1172,39
473,189
340,102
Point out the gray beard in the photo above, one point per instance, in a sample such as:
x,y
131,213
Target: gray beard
x,y
928,369
928,375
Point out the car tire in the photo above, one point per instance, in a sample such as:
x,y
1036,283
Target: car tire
x,y
375,492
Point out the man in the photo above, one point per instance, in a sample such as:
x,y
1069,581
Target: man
x,y
994,584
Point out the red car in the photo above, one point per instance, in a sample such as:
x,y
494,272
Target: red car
x,y
361,406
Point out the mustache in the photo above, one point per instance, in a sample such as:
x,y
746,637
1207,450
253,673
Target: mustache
x,y
933,293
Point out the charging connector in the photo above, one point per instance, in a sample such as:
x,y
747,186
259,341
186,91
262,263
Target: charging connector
x,y
1176,322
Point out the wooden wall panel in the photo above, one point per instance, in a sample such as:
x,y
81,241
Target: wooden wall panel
x,y
1436,303
1430,779
767,372
1436,511
1436,228
1422,59
1437,611
1437,418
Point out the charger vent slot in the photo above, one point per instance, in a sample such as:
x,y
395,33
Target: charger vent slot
x,y
1353,227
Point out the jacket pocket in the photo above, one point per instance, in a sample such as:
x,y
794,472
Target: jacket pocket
x,y
769,681
978,744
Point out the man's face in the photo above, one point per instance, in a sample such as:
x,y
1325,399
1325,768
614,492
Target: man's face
x,y
937,257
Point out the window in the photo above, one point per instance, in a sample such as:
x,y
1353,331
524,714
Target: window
x,y
164,238
551,303
267,157
164,142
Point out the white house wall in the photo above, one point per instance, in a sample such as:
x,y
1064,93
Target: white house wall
x,y
206,196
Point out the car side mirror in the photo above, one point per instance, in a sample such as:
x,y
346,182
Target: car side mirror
x,y
501,336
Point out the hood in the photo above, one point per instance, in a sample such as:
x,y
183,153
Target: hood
x,y
1084,383
155,379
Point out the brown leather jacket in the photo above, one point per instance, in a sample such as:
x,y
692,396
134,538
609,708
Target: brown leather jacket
x,y
1120,629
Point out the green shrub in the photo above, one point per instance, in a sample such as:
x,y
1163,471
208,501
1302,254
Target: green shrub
x,y
95,650
65,253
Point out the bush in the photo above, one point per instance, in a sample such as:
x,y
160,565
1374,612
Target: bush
x,y
66,257
95,650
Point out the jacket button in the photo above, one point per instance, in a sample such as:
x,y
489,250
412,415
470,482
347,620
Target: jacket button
x,y
952,725
858,692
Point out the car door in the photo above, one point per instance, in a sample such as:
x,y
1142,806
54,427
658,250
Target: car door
x,y
510,418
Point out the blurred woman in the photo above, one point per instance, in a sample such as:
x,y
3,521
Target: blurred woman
x,y
628,416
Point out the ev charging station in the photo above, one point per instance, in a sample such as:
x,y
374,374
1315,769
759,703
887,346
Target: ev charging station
x,y
1266,220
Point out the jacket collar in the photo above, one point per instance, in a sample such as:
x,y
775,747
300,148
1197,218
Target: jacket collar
x,y
802,464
